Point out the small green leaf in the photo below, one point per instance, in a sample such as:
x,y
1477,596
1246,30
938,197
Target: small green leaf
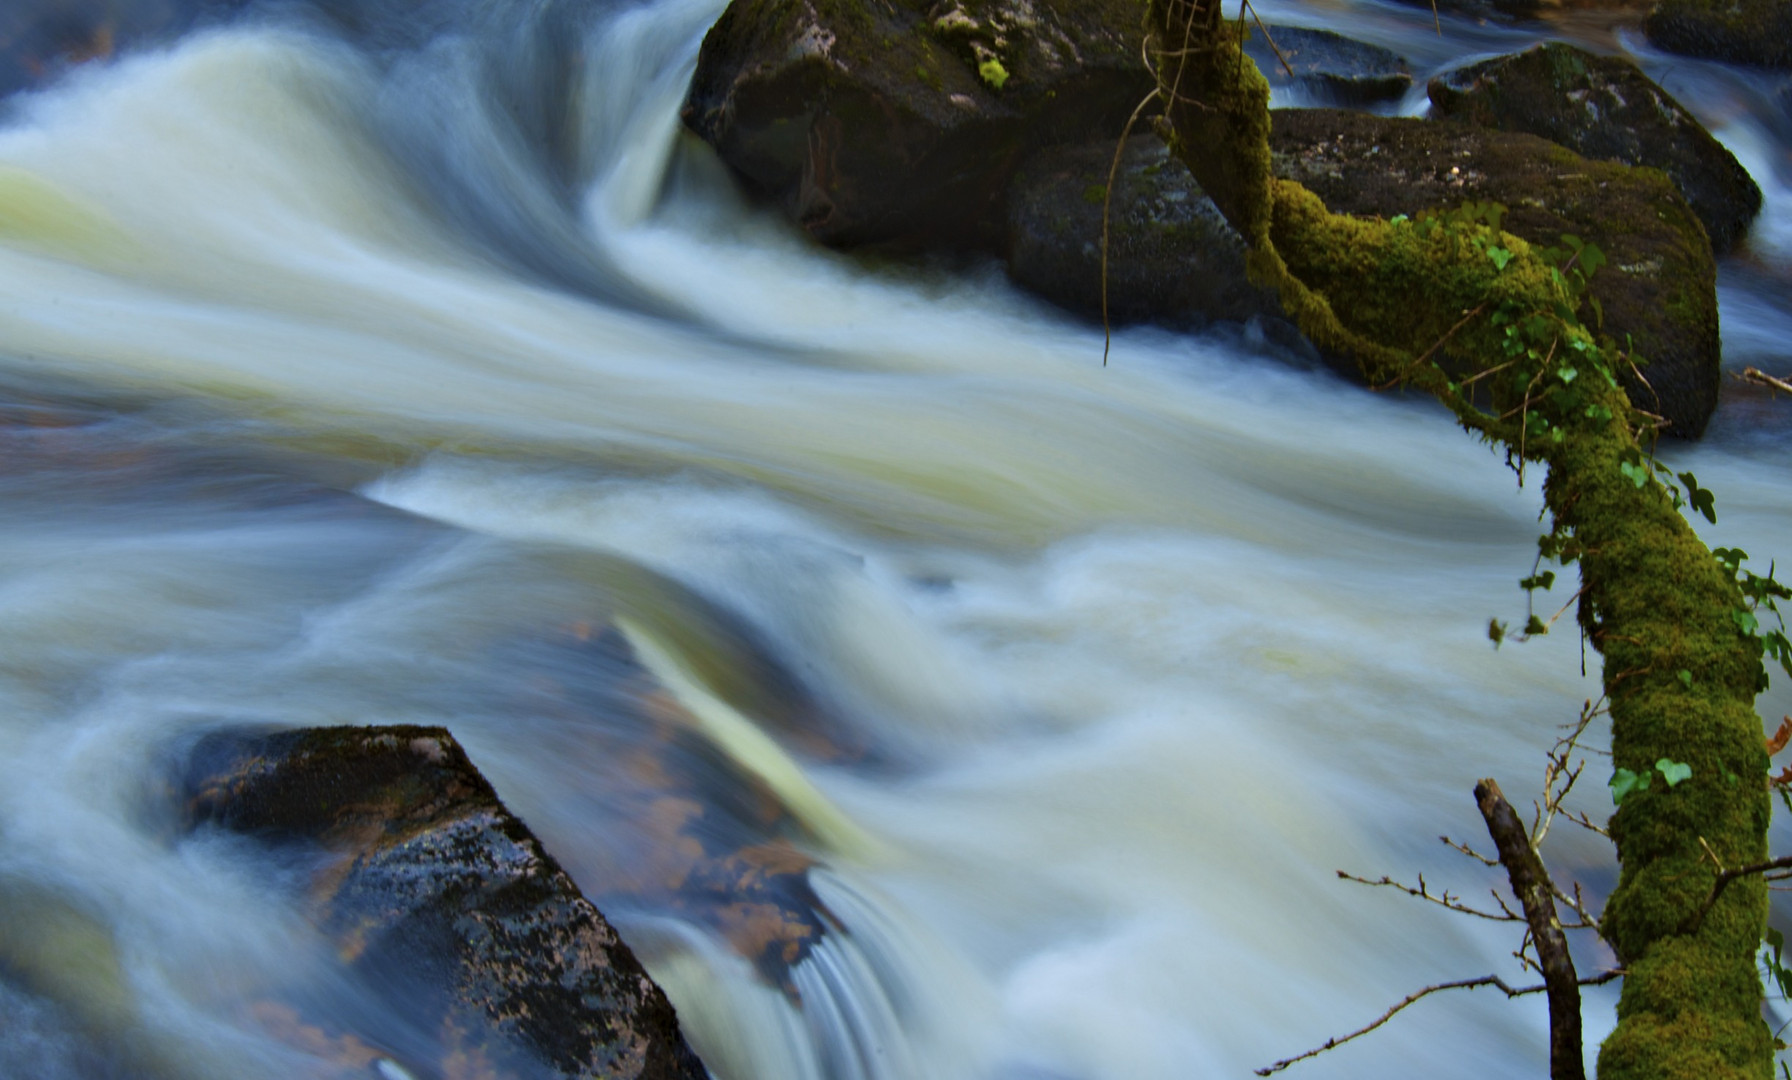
x,y
1623,782
1500,257
1398,219
1496,632
1745,621
1540,581
1685,678
993,72
1535,627
1566,374
1673,771
1636,474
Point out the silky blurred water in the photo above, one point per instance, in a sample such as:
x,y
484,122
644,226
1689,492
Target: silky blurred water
x,y
358,358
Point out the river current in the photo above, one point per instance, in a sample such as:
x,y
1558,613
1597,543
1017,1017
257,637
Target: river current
x,y
356,358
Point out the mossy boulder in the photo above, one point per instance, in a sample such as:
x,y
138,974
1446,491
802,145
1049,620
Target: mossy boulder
x,y
1657,292
900,121
1736,31
1328,66
1604,107
1171,256
443,903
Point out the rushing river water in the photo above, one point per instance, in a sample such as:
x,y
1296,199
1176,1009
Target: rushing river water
x,y
356,359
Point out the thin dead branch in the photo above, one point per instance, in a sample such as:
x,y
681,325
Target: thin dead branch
x,y
1761,378
1460,984
1443,899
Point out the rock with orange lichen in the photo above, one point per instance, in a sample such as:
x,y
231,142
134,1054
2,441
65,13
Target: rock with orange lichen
x,y
439,896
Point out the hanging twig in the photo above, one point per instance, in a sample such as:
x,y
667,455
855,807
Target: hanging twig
x,y
1107,202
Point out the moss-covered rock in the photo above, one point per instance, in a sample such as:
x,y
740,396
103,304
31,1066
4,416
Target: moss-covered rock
x,y
1171,256
442,899
900,120
1604,107
1658,289
1736,31
1329,66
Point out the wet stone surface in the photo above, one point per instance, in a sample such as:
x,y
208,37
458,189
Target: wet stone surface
x,y
1604,107
438,896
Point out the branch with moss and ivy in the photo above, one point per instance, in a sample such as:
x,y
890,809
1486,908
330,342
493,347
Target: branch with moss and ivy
x,y
1451,304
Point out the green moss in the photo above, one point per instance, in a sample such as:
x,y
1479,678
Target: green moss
x,y
1095,194
1394,294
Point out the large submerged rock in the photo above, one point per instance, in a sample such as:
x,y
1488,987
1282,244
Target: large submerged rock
x,y
1737,31
1334,68
1658,290
1171,256
901,120
438,896
1604,107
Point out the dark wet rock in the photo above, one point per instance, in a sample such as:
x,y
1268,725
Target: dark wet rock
x,y
1604,107
39,39
1343,70
1736,31
901,120
1172,258
1658,290
1525,10
435,893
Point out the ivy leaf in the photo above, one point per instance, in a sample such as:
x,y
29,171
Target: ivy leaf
x,y
1674,772
1745,621
1541,581
1623,782
1500,257
1685,678
1591,259
1496,632
1566,374
1701,498
1636,474
1730,559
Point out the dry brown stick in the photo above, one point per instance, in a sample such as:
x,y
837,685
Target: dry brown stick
x,y
1756,375
1289,68
1428,353
1536,894
1460,984
1724,877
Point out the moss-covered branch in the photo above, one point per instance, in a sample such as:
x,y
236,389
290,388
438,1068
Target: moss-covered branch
x,y
1453,305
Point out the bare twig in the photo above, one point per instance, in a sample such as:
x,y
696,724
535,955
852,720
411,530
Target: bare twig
x,y
1286,66
1441,342
1460,984
1536,893
1444,899
1725,876
1761,378
1470,852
